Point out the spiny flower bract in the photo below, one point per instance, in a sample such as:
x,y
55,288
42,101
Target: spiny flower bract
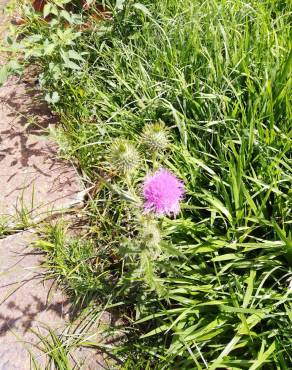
x,y
163,192
123,156
155,137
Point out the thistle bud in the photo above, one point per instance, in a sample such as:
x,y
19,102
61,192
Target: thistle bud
x,y
155,137
123,156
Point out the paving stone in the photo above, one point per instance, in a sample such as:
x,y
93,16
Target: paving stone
x,y
25,302
3,3
31,175
32,178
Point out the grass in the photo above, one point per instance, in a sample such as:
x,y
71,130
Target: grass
x,y
213,292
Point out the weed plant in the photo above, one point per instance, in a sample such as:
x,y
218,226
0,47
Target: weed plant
x,y
201,88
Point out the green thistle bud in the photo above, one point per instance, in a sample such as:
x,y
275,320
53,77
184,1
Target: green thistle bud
x,y
155,136
123,156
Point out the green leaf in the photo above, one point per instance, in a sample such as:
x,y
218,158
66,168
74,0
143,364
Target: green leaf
x,y
69,64
263,357
249,289
49,48
4,73
52,98
120,4
143,8
217,204
47,9
155,331
9,69
66,15
72,54
239,310
225,257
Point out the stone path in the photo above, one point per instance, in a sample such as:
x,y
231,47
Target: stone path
x,y
24,302
34,181
28,303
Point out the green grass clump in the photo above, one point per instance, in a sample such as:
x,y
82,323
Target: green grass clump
x,y
75,264
213,290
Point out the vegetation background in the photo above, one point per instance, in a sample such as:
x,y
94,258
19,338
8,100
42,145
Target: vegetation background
x,y
202,88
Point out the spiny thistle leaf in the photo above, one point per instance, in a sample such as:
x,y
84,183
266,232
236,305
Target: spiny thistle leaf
x,y
151,234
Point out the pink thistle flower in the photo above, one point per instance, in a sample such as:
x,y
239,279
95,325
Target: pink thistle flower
x,y
162,192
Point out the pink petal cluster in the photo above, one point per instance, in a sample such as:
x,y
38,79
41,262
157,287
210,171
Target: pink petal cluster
x,y
162,192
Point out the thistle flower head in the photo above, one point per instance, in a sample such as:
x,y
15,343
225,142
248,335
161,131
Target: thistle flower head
x,y
123,156
155,136
162,193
